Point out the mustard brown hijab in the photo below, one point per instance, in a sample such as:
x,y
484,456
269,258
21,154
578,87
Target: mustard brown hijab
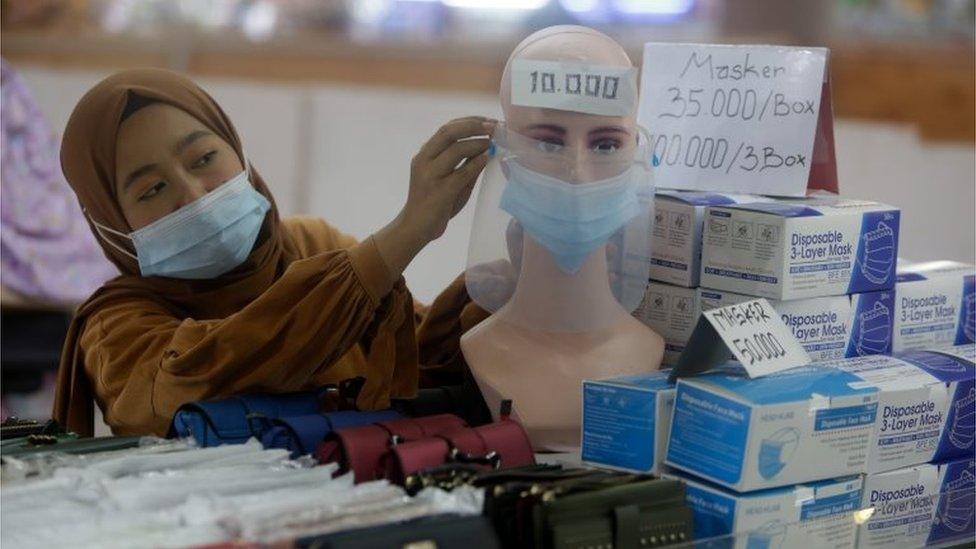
x,y
88,159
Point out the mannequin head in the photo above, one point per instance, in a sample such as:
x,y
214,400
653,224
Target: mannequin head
x,y
583,136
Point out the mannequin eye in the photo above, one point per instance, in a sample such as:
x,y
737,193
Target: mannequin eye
x,y
153,191
550,146
606,146
205,160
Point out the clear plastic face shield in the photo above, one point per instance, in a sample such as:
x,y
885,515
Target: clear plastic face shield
x,y
564,211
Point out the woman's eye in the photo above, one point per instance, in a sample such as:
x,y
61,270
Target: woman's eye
x,y
550,146
205,160
153,191
606,146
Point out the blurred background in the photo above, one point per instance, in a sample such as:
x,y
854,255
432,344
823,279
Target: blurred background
x,y
333,97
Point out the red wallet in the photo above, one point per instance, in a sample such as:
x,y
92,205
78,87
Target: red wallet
x,y
398,448
362,449
498,445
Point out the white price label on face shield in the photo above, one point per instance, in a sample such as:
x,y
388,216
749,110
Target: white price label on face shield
x,y
592,89
752,119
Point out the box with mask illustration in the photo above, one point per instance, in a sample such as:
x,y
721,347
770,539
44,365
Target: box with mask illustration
x,y
672,312
800,425
829,327
626,421
936,305
677,233
800,248
816,514
920,505
926,407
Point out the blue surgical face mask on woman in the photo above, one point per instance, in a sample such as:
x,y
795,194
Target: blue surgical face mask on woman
x,y
205,238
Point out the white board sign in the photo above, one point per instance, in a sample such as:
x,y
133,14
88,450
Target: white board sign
x,y
734,118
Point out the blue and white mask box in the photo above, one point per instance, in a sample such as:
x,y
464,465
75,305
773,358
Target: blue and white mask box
x,y
829,327
672,312
936,305
626,421
920,505
677,235
806,515
796,249
800,425
926,407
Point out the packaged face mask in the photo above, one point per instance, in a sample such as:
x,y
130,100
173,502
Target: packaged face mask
x,y
626,421
672,312
920,505
829,327
803,248
801,425
925,406
675,256
806,515
936,305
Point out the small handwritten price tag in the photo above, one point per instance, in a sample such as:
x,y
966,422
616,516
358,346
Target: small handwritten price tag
x,y
592,89
752,332
754,119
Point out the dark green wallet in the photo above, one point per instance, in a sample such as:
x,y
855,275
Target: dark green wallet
x,y
646,513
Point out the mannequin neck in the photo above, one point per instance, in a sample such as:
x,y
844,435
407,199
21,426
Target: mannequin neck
x,y
546,298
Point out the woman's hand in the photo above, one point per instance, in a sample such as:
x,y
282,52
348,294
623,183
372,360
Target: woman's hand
x,y
442,176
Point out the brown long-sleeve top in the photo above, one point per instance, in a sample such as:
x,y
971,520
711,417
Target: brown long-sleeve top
x,y
324,320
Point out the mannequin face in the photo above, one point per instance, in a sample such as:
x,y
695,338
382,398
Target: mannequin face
x,y
574,147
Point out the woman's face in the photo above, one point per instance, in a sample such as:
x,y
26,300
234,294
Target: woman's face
x,y
166,159
575,147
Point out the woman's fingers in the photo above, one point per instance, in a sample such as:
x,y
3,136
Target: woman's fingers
x,y
465,177
454,130
448,160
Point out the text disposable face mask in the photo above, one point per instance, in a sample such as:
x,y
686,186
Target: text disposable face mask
x,y
920,505
935,305
802,248
926,406
815,514
204,239
829,327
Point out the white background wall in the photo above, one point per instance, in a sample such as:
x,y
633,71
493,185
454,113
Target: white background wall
x,y
344,152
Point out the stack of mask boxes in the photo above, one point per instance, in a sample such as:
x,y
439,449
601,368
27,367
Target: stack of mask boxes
x,y
827,266
672,302
791,456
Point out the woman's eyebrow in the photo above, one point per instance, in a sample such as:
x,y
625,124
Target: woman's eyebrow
x,y
136,174
189,138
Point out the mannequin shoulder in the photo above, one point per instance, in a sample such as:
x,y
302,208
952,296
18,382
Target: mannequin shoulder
x,y
640,336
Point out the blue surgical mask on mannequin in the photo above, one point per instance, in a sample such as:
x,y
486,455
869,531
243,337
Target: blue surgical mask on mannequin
x,y
571,220
205,238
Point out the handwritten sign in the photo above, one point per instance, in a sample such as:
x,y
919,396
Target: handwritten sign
x,y
752,332
579,87
754,119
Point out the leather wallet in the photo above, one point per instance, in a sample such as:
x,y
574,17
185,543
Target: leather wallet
x,y
646,513
438,531
362,449
229,421
302,434
494,446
